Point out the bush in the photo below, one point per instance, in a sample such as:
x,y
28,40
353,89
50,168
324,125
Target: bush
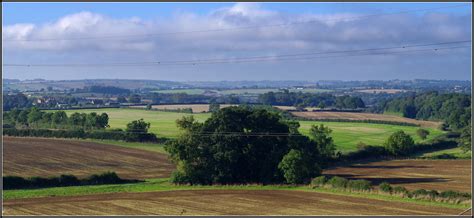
x,y
385,187
454,194
104,178
359,185
319,181
400,190
68,180
180,178
422,133
337,182
14,182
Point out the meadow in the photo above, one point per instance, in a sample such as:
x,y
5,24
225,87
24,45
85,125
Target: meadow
x,y
346,135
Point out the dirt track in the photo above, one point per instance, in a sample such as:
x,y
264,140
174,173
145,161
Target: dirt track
x,y
52,157
413,174
363,116
218,202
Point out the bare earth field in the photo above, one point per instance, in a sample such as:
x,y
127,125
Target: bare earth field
x,y
218,202
197,108
389,91
363,116
413,174
52,157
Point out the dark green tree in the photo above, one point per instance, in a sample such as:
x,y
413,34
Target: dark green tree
x,y
138,126
422,133
399,143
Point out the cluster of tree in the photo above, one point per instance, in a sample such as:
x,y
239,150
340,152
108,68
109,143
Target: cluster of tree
x,y
453,108
17,182
35,118
18,100
320,100
105,90
247,145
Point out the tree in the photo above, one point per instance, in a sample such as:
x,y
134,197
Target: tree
x,y
214,107
399,143
465,139
422,133
102,121
77,119
321,105
324,142
238,145
148,106
134,99
34,116
295,166
121,99
59,118
138,126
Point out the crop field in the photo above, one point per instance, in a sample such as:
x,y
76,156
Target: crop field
x,y
388,91
197,108
413,174
218,202
364,116
346,134
51,157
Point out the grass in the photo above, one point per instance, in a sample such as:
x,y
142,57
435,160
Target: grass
x,y
398,114
163,185
346,134
456,152
162,123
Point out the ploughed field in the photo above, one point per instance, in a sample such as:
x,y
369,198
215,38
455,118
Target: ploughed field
x,y
412,174
218,202
52,157
346,135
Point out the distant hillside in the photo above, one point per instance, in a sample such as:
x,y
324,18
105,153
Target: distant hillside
x,y
29,85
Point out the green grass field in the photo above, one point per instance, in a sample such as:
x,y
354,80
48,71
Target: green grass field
x,y
346,134
238,91
151,185
456,152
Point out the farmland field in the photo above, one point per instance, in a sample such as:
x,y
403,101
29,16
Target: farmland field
x,y
52,157
346,134
197,108
413,174
364,116
218,202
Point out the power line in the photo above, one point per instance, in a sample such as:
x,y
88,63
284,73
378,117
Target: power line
x,y
282,57
230,29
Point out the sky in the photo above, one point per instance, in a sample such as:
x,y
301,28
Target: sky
x,y
219,41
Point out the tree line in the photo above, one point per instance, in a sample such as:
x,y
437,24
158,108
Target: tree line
x,y
321,100
453,108
35,118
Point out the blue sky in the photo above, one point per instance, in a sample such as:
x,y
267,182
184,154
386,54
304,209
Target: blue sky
x,y
63,20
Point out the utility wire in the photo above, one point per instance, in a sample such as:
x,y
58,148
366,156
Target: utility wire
x,y
230,29
300,56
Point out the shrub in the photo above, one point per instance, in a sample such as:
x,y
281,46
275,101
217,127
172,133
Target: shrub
x,y
14,182
319,181
422,133
180,178
337,182
401,190
104,178
454,194
359,185
68,180
385,187
361,146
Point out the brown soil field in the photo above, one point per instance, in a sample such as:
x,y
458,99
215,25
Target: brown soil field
x,y
363,116
413,174
218,202
52,157
389,91
197,108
